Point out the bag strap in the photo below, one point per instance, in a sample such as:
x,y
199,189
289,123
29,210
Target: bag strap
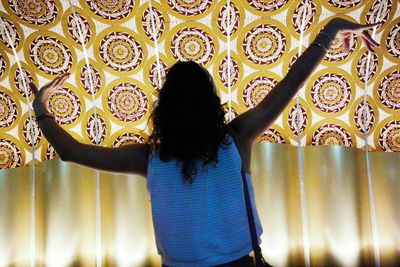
x,y
254,241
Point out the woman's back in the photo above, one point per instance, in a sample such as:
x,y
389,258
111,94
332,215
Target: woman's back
x,y
203,223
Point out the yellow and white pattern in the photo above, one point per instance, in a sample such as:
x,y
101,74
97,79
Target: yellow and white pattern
x,y
118,52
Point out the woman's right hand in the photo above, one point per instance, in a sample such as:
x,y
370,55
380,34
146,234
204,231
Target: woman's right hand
x,y
346,28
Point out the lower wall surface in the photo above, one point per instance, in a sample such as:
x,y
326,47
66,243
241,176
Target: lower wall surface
x,y
319,206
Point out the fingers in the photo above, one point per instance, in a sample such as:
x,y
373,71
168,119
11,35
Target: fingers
x,y
346,43
367,43
60,80
368,37
370,26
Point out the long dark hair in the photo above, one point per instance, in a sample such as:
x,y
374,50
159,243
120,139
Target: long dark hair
x,y
188,119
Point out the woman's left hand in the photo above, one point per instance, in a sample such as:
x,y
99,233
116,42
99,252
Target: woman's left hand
x,y
42,96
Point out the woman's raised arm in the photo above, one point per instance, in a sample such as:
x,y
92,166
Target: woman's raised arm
x,y
126,159
252,123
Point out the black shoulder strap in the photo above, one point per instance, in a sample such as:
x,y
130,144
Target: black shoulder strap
x,y
250,218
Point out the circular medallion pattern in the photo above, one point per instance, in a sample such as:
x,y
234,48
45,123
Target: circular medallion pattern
x,y
66,106
36,14
4,65
48,152
228,20
363,116
331,132
303,15
193,41
11,156
330,92
9,109
152,19
78,28
90,77
21,81
13,36
391,40
96,128
272,135
263,42
126,101
297,118
366,66
157,73
387,90
29,131
228,71
126,138
120,50
263,7
385,9
190,8
341,6
387,134
256,86
111,11
48,52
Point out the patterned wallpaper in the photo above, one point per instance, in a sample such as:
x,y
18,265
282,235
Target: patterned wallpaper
x,y
118,52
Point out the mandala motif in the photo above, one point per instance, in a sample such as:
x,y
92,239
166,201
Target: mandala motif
x,y
388,134
78,28
331,134
111,11
383,8
391,37
272,135
157,73
30,131
49,53
152,19
120,50
342,5
184,8
297,118
66,106
193,43
21,80
337,53
262,7
302,22
9,109
96,129
234,19
90,78
263,44
127,102
228,71
49,152
366,66
330,92
4,65
11,156
388,91
37,14
363,116
257,88
13,36
127,139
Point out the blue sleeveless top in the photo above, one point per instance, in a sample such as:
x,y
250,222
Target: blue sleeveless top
x,y
203,223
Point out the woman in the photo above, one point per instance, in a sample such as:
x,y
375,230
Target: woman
x,y
194,159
